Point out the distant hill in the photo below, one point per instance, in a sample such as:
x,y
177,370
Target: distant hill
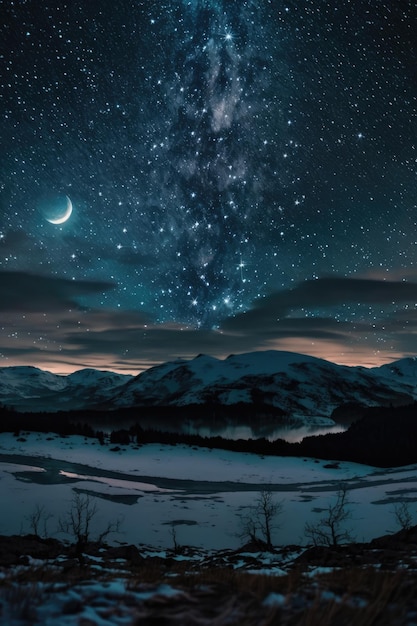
x,y
32,389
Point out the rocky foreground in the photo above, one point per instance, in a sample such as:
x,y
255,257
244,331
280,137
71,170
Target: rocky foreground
x,y
45,580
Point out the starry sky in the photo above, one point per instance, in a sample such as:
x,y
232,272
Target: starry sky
x,y
242,176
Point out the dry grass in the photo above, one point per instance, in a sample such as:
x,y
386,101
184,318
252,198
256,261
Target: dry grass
x,y
363,597
182,575
22,599
222,595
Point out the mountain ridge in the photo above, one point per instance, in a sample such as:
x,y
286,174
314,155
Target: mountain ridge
x,y
299,385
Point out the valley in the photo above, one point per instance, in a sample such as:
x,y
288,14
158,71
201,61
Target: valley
x,y
169,467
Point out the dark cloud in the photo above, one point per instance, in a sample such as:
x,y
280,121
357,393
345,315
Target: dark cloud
x,y
157,343
267,313
338,290
24,292
132,340
305,327
104,319
121,337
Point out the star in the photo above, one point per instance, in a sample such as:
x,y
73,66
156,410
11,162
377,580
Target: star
x,y
219,157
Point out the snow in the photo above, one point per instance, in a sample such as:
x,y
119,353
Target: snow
x,y
180,462
274,599
262,363
89,376
317,571
205,512
89,602
19,378
270,361
404,368
206,371
268,571
117,482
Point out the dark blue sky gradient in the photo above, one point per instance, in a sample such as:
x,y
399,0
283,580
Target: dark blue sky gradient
x,y
217,156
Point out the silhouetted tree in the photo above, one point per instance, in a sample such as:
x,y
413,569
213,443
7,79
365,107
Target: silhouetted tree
x,y
120,436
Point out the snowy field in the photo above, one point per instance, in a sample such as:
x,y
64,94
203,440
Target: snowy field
x,y
202,492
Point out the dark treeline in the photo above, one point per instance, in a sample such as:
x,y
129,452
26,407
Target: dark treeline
x,y
61,424
174,417
384,437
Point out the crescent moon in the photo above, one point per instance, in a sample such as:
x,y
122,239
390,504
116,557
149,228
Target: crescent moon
x,y
66,216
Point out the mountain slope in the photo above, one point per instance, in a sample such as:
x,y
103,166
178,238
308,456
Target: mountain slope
x,y
297,384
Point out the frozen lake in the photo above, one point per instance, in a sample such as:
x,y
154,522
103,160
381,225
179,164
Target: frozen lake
x,y
200,491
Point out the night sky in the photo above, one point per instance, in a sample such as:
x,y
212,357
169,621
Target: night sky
x,y
242,176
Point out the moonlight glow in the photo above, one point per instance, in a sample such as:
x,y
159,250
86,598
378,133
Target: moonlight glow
x,y
65,216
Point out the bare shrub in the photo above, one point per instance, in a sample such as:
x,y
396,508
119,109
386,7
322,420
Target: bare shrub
x,y
259,520
329,530
78,522
38,520
174,538
402,515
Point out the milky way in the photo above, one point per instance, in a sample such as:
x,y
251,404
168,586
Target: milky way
x,y
215,152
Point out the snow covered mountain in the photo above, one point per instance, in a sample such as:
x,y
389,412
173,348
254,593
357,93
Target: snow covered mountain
x,y
32,389
299,386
